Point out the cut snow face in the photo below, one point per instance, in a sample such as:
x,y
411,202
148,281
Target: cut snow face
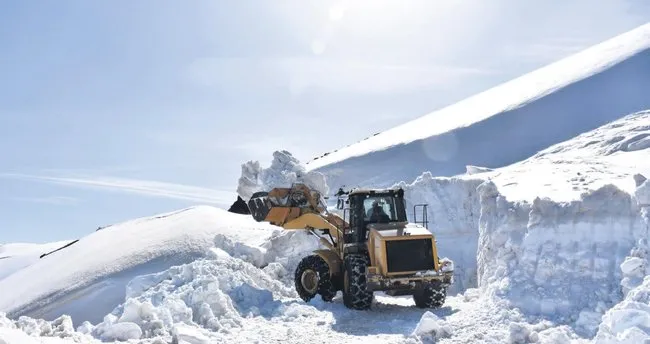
x,y
284,171
507,123
559,261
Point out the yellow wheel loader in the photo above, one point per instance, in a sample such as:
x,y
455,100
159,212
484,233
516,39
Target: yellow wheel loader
x,y
370,245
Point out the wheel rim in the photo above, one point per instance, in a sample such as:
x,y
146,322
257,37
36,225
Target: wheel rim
x,y
309,281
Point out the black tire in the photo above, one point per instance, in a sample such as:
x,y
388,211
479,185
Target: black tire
x,y
317,265
431,295
355,291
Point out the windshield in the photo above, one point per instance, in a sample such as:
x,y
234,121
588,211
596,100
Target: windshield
x,y
379,209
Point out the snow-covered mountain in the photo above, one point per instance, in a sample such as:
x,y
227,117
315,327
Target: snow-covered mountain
x,y
550,243
507,123
16,256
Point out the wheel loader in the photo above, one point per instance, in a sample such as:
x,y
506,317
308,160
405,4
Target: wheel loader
x,y
369,245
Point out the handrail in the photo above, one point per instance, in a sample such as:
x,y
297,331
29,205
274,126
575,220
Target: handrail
x,y
425,214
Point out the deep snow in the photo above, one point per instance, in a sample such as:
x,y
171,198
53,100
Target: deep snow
x,y
96,269
507,123
546,271
552,249
562,172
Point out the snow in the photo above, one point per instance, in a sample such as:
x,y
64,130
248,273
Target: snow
x,y
549,249
284,171
507,123
96,269
16,256
431,325
566,170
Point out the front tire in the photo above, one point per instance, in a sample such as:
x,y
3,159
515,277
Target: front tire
x,y
312,277
355,289
431,295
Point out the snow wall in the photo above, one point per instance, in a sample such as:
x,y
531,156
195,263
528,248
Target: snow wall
x,y
566,262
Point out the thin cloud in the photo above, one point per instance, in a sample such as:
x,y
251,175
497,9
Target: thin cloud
x,y
53,200
142,187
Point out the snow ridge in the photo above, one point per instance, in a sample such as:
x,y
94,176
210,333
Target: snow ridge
x,y
582,92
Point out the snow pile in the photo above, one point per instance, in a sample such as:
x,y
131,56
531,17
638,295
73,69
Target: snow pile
x,y
212,294
284,171
558,260
26,330
96,269
16,256
278,255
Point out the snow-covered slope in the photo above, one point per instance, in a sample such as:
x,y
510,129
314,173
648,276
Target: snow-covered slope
x,y
16,256
552,249
95,270
610,154
508,123
544,270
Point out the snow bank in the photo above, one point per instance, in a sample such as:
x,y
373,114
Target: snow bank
x,y
284,170
629,320
212,295
97,268
559,261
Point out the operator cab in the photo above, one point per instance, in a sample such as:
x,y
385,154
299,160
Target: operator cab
x,y
372,206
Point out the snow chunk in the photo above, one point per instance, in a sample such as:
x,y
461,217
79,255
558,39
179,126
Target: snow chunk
x,y
122,331
188,335
632,265
642,193
284,171
431,326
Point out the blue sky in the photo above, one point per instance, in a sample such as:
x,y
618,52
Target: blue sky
x,y
117,109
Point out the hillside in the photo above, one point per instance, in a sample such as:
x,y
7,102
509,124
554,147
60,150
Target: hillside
x,y
545,271
97,268
16,256
548,231
507,123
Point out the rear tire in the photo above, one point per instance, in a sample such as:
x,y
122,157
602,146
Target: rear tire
x,y
312,277
355,290
431,295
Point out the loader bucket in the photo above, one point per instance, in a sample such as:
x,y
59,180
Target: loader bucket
x,y
259,206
